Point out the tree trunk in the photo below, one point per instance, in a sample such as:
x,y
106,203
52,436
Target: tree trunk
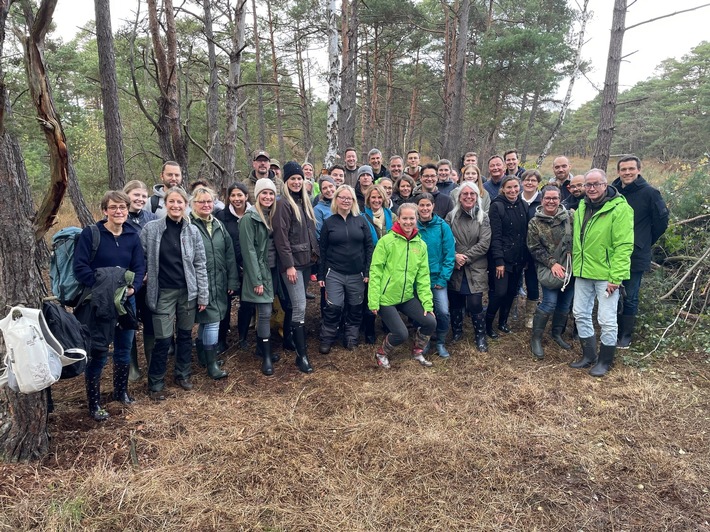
x,y
109,96
531,123
348,83
373,125
259,87
389,94
607,114
365,128
303,94
232,93
277,86
333,87
412,118
214,145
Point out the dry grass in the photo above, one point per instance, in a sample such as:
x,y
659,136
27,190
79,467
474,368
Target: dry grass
x,y
480,442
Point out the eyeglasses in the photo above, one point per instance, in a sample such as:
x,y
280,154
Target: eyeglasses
x,y
532,180
117,208
345,199
204,202
551,200
594,185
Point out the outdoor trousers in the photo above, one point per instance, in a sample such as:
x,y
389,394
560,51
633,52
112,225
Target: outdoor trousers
x,y
585,290
502,293
341,290
632,287
297,295
398,330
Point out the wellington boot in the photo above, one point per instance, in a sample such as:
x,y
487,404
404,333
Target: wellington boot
x,y
299,339
540,320
626,330
93,398
200,348
530,308
559,322
134,372
589,353
267,367
211,362
120,384
604,362
489,327
479,325
441,350
457,324
289,343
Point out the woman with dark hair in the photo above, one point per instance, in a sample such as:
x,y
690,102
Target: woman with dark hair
x,y
118,266
531,196
345,254
237,196
508,253
402,192
399,270
297,249
222,276
178,287
472,234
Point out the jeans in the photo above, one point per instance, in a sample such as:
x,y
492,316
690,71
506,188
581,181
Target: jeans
x,y
585,291
441,310
208,333
557,300
631,300
297,295
398,330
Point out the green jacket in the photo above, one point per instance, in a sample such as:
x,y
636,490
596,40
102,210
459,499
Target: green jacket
x,y
601,248
254,239
222,272
398,266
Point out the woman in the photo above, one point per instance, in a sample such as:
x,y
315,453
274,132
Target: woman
x,y
380,220
296,247
309,182
441,249
399,267
472,234
402,192
345,254
117,265
387,184
550,244
260,273
222,275
137,193
322,209
508,252
177,288
237,195
471,172
531,197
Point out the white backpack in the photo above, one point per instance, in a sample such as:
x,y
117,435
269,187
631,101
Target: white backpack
x,y
34,358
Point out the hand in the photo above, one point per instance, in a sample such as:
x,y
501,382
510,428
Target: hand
x,y
461,260
611,288
500,272
374,312
200,308
292,275
259,290
130,291
321,284
558,271
365,280
438,286
430,313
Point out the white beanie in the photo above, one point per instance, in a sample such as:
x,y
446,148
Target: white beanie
x,y
262,184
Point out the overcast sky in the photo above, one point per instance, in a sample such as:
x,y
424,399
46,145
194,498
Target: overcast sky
x,y
652,43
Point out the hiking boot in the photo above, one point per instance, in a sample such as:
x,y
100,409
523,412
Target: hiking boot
x,y
382,353
184,383
423,361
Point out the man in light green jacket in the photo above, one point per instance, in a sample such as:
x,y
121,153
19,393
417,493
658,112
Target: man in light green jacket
x,y
601,260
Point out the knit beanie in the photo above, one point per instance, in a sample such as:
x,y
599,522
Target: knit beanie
x,y
326,178
365,169
292,168
262,184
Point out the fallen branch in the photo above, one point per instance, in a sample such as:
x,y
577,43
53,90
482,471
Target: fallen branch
x,y
691,220
687,274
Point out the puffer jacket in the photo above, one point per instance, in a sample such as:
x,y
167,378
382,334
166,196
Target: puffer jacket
x,y
296,243
602,245
473,240
440,247
545,233
222,272
193,261
399,266
255,239
509,232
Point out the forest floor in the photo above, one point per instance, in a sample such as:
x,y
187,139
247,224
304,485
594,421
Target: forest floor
x,y
491,441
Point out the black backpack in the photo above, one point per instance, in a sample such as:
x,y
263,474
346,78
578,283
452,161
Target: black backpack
x,y
74,337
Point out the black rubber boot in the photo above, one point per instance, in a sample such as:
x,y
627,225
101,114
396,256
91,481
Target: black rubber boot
x,y
489,327
211,362
200,348
589,353
626,330
457,324
264,348
299,338
559,322
479,325
289,343
540,320
246,310
368,322
93,398
604,362
503,319
134,372
120,384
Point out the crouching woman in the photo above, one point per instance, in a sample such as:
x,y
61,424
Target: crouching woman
x,y
399,267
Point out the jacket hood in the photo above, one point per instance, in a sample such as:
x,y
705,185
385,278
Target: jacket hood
x,y
434,222
611,193
562,214
398,229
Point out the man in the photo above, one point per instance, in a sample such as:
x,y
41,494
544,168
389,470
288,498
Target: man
x,y
562,168
650,222
443,171
364,181
337,173
576,193
275,166
396,167
374,157
496,171
413,167
511,164
351,167
443,204
603,240
261,169
470,157
170,176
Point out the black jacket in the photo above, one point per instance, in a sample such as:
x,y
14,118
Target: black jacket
x,y
509,233
443,204
231,224
650,219
345,246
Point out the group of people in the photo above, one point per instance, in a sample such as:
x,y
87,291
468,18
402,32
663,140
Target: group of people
x,y
423,241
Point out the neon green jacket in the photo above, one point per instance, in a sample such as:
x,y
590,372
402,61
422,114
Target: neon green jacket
x,y
601,249
398,266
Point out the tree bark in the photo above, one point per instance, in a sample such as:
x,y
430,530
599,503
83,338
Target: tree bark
x,y
412,118
333,87
214,144
348,82
259,87
238,23
302,93
109,96
277,86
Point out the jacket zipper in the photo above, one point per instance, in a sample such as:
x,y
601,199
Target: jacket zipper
x,y
406,267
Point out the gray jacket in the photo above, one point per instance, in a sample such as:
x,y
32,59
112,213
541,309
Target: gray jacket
x,y
194,261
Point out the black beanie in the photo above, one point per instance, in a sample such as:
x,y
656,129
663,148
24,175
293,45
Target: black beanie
x,y
292,168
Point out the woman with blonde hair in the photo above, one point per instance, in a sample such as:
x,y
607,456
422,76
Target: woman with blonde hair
x,y
472,173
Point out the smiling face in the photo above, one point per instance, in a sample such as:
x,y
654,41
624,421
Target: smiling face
x,y
561,168
338,176
327,189
530,184
407,220
344,202
413,160
511,162
376,201
595,186
308,170
116,213
203,204
405,189
351,159
295,184
511,190
470,175
396,168
171,176
261,167
496,169
138,197
628,172
387,185
550,202
470,159
428,179
376,161
468,198
266,198
576,186
237,199
425,209
175,206
444,173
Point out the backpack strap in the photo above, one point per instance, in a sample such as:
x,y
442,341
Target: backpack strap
x,y
154,203
95,241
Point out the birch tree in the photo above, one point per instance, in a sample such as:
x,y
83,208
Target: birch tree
x,y
333,87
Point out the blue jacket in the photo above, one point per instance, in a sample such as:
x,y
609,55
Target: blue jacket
x,y
441,249
322,212
373,229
